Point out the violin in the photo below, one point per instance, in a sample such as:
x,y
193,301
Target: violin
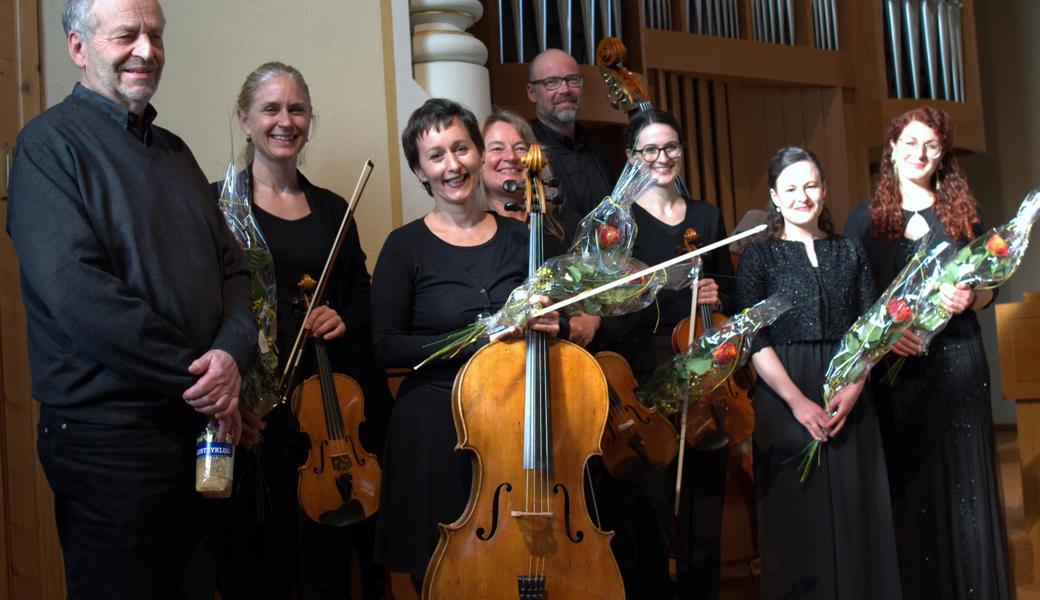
x,y
531,412
637,441
724,416
340,482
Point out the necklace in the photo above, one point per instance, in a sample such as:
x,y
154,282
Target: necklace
x,y
293,188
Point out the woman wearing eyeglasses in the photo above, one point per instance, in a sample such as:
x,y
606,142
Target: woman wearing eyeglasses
x,y
935,419
640,513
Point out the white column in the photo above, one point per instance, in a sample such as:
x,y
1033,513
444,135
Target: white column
x,y
447,61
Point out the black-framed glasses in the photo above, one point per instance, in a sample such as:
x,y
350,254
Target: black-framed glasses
x,y
552,83
650,153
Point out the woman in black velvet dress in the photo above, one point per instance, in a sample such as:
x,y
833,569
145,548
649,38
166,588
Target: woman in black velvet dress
x,y
830,537
936,421
435,276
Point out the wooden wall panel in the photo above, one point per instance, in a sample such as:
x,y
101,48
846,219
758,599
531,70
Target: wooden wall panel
x,y
725,158
30,558
709,151
688,118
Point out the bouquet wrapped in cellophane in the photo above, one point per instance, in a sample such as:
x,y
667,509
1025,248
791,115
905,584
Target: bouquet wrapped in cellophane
x,y
600,254
258,384
609,231
877,330
986,262
710,359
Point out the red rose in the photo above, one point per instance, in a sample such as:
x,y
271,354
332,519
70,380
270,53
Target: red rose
x,y
899,310
607,236
996,245
726,353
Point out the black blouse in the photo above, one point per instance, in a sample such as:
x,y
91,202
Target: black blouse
x,y
827,298
424,288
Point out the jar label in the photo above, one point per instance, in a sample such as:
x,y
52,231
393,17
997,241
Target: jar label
x,y
214,448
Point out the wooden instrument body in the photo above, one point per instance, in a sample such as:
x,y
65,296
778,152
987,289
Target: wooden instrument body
x,y
724,416
498,539
637,441
340,482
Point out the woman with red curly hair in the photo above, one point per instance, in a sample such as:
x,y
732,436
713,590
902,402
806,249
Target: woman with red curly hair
x,y
935,418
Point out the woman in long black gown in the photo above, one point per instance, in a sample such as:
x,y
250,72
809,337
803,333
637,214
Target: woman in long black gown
x,y
831,537
271,548
434,276
936,421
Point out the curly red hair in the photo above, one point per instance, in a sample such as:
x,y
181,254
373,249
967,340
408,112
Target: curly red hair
x,y
954,206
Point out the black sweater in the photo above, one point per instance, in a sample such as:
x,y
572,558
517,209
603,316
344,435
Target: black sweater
x,y
128,272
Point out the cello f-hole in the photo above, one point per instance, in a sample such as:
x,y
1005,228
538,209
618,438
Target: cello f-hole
x,y
494,512
578,535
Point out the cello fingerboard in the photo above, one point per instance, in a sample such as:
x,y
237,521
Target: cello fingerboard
x,y
537,428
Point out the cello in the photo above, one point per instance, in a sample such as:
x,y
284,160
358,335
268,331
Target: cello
x,y
531,412
637,441
340,482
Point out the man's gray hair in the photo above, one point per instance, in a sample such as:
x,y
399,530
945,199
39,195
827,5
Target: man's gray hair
x,y
78,17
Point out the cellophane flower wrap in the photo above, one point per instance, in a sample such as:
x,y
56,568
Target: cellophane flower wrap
x,y
984,263
877,330
258,384
600,254
710,359
609,231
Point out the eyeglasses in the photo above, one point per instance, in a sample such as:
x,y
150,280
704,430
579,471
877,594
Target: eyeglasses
x,y
650,153
932,150
552,83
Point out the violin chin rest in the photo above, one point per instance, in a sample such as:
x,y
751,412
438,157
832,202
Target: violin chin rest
x,y
347,514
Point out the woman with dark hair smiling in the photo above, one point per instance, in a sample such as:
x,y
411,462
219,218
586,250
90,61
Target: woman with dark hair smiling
x,y
935,419
434,276
829,538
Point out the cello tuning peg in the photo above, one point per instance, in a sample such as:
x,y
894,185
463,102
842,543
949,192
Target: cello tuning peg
x,y
511,186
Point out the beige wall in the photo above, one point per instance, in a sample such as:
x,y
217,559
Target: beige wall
x,y
1009,60
337,44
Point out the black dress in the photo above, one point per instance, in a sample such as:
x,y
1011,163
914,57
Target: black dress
x,y
937,426
640,513
831,537
423,289
270,547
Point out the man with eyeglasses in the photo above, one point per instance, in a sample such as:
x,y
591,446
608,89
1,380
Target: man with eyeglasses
x,y
576,158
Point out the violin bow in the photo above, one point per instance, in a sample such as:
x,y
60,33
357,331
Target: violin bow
x,y
295,356
695,278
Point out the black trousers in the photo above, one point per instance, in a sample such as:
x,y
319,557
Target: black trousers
x,y
129,520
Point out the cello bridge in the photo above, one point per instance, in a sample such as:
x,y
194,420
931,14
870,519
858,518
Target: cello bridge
x,y
523,514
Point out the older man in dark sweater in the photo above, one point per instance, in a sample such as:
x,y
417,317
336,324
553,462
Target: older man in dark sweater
x,y
138,308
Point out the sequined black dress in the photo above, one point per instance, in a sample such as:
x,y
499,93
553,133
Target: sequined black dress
x,y
831,537
937,427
